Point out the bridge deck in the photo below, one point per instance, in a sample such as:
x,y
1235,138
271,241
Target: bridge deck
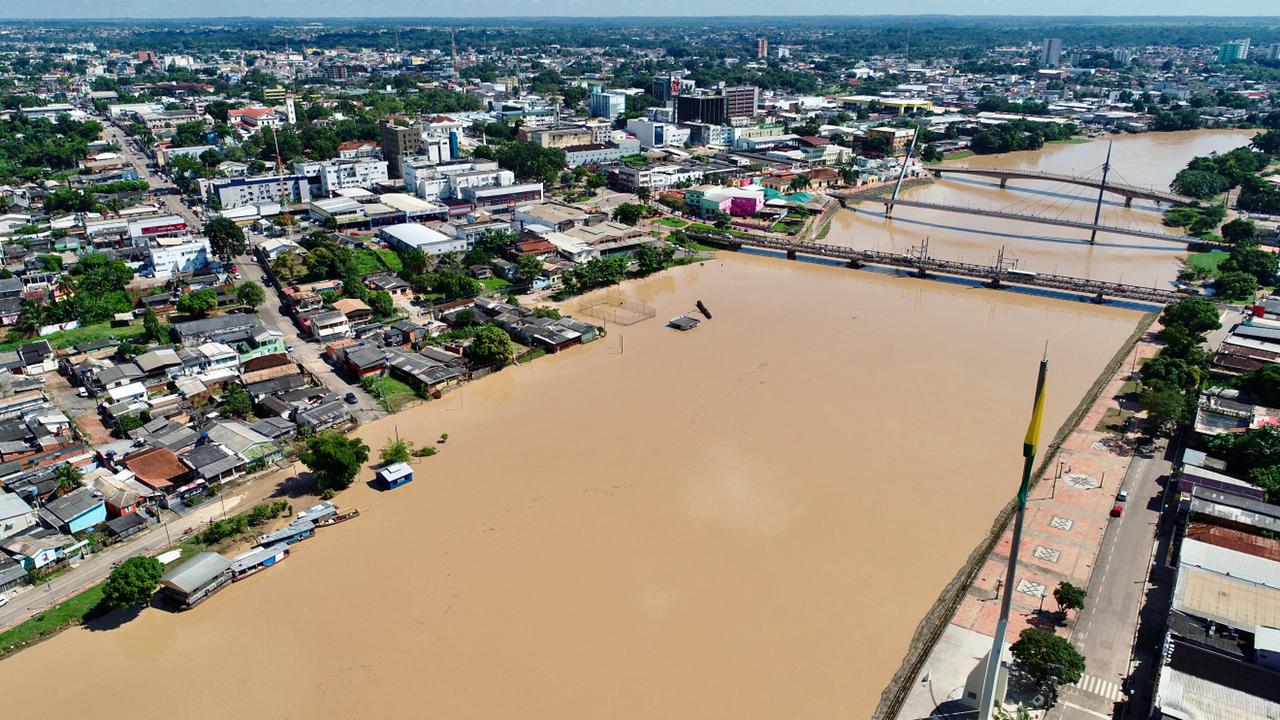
x,y
1114,229
990,273
1138,191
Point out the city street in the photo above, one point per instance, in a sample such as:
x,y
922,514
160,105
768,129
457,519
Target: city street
x,y
23,603
1105,630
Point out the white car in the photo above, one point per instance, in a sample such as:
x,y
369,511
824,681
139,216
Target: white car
x,y
4,600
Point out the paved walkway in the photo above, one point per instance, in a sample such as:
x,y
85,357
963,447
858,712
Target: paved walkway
x,y
1066,522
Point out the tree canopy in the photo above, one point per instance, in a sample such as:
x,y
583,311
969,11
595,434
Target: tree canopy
x,y
490,345
132,582
334,459
226,239
1047,658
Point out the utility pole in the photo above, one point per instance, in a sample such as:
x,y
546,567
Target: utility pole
x,y
1097,210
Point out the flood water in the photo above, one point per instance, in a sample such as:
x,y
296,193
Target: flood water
x,y
1148,160
747,520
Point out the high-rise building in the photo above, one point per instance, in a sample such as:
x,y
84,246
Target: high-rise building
x,y
1234,51
1051,52
607,104
713,109
762,47
398,141
742,100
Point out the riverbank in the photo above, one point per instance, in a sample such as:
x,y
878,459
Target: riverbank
x,y
1061,541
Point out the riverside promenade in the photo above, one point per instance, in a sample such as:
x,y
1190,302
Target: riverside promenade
x,y
1068,512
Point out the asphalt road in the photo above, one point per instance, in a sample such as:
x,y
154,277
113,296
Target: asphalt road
x,y
1107,626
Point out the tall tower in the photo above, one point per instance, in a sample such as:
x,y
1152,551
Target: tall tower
x,y
762,46
453,50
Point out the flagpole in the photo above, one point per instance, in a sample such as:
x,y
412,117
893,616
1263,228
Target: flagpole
x,y
986,700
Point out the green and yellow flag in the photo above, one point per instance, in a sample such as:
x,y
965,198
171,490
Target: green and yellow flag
x,y
1037,411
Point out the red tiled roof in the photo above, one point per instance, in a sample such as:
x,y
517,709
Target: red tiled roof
x,y
157,468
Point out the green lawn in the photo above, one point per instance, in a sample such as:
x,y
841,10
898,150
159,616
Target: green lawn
x,y
365,261
635,161
391,393
390,259
88,333
1207,260
957,155
826,228
70,611
495,283
1073,141
701,227
672,222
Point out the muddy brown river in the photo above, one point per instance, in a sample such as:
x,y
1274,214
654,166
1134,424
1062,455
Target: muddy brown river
x,y
1148,160
747,520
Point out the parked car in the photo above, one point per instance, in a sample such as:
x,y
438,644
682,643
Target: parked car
x,y
1122,496
83,392
1117,510
4,600
351,398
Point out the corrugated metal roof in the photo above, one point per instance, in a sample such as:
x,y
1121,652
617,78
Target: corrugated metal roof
x,y
1231,563
196,572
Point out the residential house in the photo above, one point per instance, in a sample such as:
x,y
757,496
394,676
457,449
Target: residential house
x,y
211,463
397,287
15,515
160,469
74,512
325,324
243,440
357,311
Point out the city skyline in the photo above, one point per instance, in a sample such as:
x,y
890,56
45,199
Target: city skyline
x,y
489,9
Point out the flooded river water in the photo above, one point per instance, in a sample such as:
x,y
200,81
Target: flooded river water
x,y
747,520
1148,160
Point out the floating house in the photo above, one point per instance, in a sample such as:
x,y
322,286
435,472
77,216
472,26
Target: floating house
x,y
316,513
195,580
297,531
684,323
257,560
395,475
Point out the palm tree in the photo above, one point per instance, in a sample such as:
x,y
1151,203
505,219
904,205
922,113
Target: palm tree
x,y
69,477
799,182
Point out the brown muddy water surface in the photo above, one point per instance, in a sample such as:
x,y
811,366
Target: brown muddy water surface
x,y
1148,160
743,521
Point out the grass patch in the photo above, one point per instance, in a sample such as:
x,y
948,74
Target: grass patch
x,y
390,259
71,611
701,227
88,333
671,222
1113,421
495,283
1207,260
958,155
787,226
1072,141
389,392
826,228
635,161
365,261
1128,388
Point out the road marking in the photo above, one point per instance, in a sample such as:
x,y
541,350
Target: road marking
x,y
1102,688
1094,713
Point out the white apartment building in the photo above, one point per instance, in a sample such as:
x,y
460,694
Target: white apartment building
x,y
432,181
334,175
237,192
653,134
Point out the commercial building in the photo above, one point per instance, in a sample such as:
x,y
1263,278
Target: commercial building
x,y
165,226
607,104
741,101
558,137
652,134
713,109
177,255
576,155
432,181
398,141
414,236
503,196
1051,52
898,139
667,87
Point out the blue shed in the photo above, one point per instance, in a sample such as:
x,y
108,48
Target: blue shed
x,y
76,511
395,475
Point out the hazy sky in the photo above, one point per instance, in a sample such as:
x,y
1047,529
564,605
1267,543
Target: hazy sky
x,y
509,8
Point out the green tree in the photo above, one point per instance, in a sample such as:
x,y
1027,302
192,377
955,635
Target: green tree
x,y
1236,286
1069,597
1240,230
651,258
1251,259
1197,315
69,478
236,402
198,303
334,459
931,154
395,451
628,213
1166,409
528,267
490,346
1047,658
1263,384
381,303
132,582
154,330
251,294
226,239
1201,184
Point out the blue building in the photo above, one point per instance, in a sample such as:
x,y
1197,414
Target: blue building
x,y
74,512
607,104
395,475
